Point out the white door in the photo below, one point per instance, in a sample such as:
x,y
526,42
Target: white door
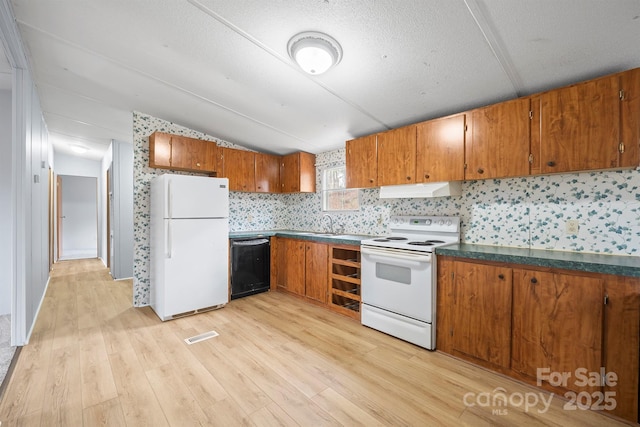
x,y
196,264
79,217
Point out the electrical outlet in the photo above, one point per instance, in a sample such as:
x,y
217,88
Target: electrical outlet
x,y
249,218
572,227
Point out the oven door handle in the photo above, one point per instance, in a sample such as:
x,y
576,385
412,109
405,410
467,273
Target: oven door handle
x,y
384,255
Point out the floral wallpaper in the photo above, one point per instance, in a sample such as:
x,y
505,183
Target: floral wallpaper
x,y
520,212
246,210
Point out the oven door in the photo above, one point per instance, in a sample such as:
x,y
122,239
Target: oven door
x,y
399,281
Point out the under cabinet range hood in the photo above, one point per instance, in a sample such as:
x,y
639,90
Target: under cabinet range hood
x,y
433,189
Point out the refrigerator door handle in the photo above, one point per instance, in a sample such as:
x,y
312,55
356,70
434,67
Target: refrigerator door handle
x,y
169,200
168,239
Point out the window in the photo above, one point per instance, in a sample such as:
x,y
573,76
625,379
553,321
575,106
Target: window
x,y
334,195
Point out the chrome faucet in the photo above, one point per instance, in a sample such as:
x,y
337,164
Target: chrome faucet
x,y
330,222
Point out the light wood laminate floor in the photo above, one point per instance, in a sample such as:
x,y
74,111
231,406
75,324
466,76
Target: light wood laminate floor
x,y
95,360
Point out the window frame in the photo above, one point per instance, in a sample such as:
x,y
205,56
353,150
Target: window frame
x,y
326,191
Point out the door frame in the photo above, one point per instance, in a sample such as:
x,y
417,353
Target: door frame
x,y
58,217
108,204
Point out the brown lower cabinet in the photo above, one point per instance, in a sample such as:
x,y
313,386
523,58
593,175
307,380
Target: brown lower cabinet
x,y
530,322
302,268
323,274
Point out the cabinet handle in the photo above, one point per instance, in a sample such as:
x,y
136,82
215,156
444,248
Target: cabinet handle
x,y
501,276
426,175
408,178
198,164
534,280
480,170
371,180
552,163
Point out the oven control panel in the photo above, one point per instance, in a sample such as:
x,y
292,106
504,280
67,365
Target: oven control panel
x,y
426,223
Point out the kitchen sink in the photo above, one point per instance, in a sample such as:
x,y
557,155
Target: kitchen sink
x,y
317,233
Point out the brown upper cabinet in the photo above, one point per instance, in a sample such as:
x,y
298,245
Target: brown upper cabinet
x,y
176,152
440,149
397,156
497,144
579,126
588,126
267,173
362,162
239,167
249,171
629,149
298,173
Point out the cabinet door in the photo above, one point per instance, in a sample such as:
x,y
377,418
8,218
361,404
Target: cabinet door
x,y
293,265
298,173
267,173
445,303
184,152
482,313
497,144
159,150
630,112
239,167
440,149
579,126
362,162
317,271
193,154
208,156
622,342
397,156
557,324
290,173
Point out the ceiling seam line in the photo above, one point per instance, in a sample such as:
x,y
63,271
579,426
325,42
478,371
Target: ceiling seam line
x,y
159,80
79,139
282,59
78,121
74,93
495,45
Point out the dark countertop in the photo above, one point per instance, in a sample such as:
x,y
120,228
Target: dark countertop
x,y
619,265
336,239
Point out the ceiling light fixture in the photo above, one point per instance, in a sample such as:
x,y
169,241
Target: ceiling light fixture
x,y
314,52
77,148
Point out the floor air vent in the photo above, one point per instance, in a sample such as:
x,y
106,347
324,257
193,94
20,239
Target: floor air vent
x,y
201,337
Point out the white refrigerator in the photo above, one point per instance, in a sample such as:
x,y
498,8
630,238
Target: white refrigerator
x,y
189,244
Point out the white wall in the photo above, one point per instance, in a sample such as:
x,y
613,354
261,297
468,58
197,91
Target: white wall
x,y
102,195
119,157
80,166
28,158
5,201
77,166
122,189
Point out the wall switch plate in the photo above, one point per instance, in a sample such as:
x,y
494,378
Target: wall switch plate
x,y
572,227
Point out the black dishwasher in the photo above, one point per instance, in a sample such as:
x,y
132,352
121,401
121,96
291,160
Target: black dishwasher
x,y
250,266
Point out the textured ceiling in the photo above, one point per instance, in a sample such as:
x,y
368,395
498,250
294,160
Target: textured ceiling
x,y
221,66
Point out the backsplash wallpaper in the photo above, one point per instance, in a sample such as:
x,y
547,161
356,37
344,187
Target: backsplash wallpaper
x,y
521,212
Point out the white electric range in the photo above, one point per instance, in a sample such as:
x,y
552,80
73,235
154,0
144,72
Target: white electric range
x,y
399,277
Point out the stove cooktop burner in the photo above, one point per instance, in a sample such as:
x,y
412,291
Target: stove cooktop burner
x,y
426,243
389,239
